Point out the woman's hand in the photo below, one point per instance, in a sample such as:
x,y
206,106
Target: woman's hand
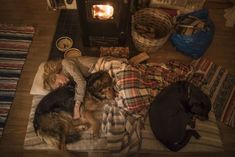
x,y
76,110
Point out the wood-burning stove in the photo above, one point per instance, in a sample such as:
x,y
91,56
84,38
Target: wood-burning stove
x,y
104,22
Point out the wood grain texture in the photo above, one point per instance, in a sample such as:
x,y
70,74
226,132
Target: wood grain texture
x,y
34,12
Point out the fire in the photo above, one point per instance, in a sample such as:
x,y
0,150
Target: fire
x,y
102,12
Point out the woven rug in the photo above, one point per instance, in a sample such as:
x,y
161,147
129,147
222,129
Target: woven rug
x,y
14,45
220,86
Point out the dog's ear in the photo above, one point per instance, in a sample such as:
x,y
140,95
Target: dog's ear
x,y
98,81
201,108
197,108
199,102
98,95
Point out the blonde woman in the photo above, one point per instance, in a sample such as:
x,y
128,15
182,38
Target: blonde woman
x,y
57,73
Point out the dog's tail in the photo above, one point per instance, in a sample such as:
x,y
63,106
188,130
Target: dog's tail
x,y
56,129
58,139
179,145
36,124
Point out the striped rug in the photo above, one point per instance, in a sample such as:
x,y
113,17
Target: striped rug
x,y
220,86
14,46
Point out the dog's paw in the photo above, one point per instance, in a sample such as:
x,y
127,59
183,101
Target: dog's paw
x,y
82,127
196,135
95,136
95,133
192,124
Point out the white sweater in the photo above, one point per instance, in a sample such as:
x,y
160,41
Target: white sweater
x,y
78,68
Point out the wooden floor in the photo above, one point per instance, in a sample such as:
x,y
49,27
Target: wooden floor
x,y
32,12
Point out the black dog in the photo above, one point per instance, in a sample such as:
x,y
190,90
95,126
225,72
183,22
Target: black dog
x,y
173,109
52,117
53,120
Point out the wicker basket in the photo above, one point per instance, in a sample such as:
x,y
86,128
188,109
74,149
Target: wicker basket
x,y
158,24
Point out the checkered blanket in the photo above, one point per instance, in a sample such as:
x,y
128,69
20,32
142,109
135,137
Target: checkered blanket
x,y
136,87
122,131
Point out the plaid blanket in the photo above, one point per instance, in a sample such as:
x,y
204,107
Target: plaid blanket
x,y
122,130
136,87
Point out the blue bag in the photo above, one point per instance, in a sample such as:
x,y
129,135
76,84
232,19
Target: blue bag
x,y
196,44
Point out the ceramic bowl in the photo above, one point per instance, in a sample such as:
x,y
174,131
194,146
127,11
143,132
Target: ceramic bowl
x,y
64,43
72,52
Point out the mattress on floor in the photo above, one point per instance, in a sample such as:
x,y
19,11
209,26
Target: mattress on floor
x,y
210,140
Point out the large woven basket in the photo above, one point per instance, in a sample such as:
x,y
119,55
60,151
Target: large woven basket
x,y
155,21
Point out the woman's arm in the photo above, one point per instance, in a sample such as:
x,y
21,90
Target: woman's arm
x,y
71,68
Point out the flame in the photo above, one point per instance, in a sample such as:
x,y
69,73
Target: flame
x,y
102,12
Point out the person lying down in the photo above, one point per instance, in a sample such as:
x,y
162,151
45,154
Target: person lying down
x,y
128,81
53,119
59,72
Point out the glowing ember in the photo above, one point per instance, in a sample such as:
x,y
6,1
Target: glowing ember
x,y
102,12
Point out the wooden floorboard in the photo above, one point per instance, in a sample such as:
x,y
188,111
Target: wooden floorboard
x,y
34,12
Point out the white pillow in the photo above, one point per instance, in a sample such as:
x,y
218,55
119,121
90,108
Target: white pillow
x,y
37,87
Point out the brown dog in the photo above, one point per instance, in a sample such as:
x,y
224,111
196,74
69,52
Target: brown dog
x,y
100,85
53,120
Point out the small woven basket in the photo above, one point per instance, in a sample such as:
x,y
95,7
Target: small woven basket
x,y
150,29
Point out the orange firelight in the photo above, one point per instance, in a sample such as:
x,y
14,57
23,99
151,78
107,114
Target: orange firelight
x,y
102,12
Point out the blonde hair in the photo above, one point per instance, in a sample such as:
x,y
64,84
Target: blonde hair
x,y
51,68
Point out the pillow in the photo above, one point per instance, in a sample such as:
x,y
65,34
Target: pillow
x,y
37,87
